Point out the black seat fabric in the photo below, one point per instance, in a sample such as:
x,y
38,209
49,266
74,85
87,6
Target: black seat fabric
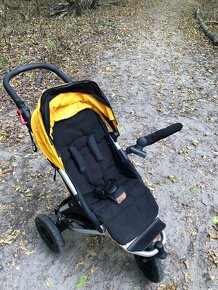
x,y
126,220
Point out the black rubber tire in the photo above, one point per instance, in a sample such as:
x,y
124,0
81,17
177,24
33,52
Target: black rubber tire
x,y
49,233
152,269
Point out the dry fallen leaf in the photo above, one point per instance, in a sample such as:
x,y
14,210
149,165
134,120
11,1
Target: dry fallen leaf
x,y
173,286
172,178
5,171
213,235
29,252
185,262
147,182
187,277
192,231
212,277
91,252
195,143
215,227
79,263
9,237
213,257
93,269
48,282
2,207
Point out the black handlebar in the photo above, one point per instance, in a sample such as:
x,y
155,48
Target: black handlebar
x,y
152,138
27,67
158,135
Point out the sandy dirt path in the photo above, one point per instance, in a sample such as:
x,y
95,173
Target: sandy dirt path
x,y
164,71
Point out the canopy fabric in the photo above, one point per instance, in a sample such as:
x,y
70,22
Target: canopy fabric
x,y
64,106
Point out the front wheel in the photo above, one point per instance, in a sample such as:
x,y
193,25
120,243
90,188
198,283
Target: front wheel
x,y
49,233
152,269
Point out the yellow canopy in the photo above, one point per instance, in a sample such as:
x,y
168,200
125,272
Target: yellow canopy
x,y
64,106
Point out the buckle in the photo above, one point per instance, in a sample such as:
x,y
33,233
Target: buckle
x,y
111,186
119,195
111,190
100,193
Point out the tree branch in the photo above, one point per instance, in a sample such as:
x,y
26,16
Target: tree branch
x,y
210,34
212,21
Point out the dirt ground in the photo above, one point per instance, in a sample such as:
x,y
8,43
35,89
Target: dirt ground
x,y
156,67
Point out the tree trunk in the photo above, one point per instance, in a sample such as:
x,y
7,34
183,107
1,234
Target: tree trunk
x,y
78,8
38,7
94,4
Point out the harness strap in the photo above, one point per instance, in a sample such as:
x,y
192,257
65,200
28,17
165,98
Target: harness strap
x,y
109,189
94,148
78,158
80,162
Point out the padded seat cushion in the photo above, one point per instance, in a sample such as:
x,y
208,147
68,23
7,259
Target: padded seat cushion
x,y
126,220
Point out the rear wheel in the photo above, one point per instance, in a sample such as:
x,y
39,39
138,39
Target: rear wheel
x,y
152,269
49,233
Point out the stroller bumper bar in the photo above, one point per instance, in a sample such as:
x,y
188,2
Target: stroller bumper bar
x,y
142,241
147,253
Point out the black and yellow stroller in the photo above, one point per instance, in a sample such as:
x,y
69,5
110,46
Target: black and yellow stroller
x,y
75,128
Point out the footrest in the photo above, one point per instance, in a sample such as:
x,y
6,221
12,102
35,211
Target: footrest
x,y
142,241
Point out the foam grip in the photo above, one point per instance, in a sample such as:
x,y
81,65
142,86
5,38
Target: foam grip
x,y
158,135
